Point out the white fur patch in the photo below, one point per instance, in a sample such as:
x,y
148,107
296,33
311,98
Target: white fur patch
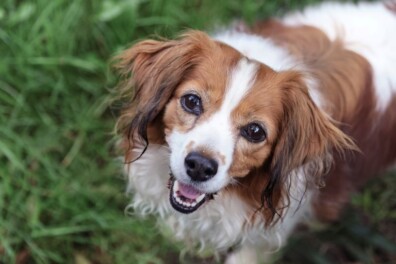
x,y
258,48
147,180
366,28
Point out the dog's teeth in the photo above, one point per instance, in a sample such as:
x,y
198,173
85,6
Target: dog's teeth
x,y
200,198
176,186
179,200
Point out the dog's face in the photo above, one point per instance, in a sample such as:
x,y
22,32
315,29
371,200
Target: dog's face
x,y
216,128
225,118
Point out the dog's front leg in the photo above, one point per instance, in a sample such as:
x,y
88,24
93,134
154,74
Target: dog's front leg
x,y
243,255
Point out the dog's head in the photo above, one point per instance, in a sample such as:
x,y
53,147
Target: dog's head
x,y
231,123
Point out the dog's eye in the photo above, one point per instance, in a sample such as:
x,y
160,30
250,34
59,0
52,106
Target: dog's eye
x,y
253,132
191,103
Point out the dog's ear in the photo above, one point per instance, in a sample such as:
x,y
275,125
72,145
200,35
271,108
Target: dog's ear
x,y
153,69
307,136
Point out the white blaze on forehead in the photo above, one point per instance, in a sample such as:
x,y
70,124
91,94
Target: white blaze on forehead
x,y
241,81
217,132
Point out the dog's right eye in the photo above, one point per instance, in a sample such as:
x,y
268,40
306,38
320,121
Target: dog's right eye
x,y
191,103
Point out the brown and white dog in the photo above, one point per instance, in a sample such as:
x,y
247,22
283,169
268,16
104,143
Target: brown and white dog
x,y
235,138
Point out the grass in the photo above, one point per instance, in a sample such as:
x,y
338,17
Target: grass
x,y
61,189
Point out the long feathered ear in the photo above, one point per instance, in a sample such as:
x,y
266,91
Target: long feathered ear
x,y
153,69
307,137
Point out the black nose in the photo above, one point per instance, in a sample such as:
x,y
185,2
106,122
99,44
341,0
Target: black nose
x,y
200,168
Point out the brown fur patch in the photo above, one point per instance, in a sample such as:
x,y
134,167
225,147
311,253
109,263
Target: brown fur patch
x,y
374,134
345,82
391,5
342,74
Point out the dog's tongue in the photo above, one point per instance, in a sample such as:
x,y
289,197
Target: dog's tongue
x,y
188,191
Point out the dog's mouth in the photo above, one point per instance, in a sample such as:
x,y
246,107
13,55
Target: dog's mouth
x,y
185,198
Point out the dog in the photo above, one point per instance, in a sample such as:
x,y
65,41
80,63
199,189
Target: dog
x,y
235,138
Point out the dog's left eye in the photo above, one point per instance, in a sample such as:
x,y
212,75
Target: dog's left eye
x,y
254,132
192,103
